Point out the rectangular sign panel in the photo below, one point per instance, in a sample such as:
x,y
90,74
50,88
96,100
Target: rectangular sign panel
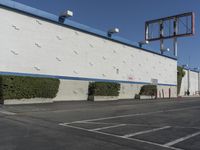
x,y
170,27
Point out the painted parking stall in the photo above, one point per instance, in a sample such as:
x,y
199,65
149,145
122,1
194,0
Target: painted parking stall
x,y
165,135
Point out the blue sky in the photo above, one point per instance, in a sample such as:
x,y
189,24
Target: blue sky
x,y
129,16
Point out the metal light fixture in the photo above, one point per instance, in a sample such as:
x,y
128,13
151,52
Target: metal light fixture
x,y
141,43
164,50
113,31
64,15
185,66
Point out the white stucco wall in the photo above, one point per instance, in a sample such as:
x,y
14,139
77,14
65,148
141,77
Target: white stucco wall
x,y
72,90
193,83
167,92
184,84
78,90
30,45
128,91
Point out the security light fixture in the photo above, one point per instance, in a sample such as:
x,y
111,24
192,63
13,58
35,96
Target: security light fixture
x,y
164,50
185,66
113,31
141,43
64,15
67,14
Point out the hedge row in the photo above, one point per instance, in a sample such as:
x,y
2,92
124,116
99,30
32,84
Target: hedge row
x,y
15,87
103,89
112,89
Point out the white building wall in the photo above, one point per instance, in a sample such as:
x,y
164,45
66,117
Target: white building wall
x,y
167,92
128,91
30,45
184,84
193,82
193,78
72,90
35,46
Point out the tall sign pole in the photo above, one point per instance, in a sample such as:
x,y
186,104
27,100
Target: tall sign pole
x,y
175,38
188,81
198,82
161,35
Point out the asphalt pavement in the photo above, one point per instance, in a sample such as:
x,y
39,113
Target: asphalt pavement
x,y
114,125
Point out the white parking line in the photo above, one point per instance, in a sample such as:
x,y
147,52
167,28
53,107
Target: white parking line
x,y
7,112
138,114
142,125
167,145
117,136
144,132
182,139
108,127
97,123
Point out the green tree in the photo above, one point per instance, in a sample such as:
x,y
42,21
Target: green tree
x,y
180,75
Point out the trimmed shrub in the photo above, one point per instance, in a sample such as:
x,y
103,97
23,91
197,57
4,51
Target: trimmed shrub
x,y
17,87
148,90
103,89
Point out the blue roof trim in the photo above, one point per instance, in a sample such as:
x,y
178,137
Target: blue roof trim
x,y
192,70
53,18
77,78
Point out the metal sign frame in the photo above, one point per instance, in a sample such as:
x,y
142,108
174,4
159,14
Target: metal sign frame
x,y
174,19
173,22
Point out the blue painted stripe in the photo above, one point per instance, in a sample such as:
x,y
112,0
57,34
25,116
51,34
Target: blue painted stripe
x,y
27,10
77,78
192,70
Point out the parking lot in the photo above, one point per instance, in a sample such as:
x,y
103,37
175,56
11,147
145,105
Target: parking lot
x,y
128,125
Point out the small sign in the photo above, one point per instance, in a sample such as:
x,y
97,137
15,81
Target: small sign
x,y
154,81
130,77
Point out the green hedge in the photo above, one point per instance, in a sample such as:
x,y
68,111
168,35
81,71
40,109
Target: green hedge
x,y
148,90
16,87
103,89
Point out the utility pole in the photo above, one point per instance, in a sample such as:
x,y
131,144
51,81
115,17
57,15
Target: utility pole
x,y
175,38
199,82
161,35
188,77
